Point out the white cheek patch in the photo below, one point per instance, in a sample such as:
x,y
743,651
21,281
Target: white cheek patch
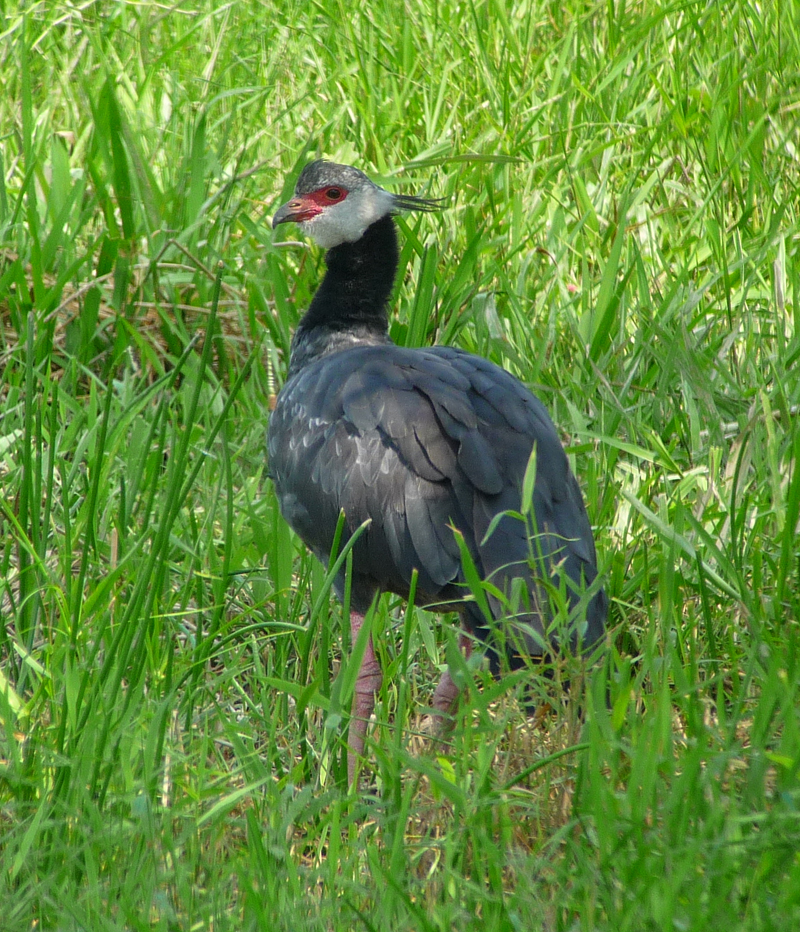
x,y
347,221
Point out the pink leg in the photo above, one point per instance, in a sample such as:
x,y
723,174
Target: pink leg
x,y
446,695
368,682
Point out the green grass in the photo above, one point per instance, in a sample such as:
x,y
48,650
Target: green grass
x,y
622,232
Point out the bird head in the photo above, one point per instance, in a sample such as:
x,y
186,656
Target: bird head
x,y
335,204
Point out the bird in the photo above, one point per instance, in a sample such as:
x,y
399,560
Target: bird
x,y
423,449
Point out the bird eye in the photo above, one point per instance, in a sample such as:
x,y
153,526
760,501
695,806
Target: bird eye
x,y
333,194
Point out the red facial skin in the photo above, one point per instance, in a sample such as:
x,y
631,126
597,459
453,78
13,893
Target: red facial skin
x,y
307,206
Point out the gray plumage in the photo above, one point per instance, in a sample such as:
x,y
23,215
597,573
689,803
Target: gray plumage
x,y
419,441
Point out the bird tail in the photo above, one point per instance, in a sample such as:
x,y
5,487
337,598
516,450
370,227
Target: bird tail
x,y
542,593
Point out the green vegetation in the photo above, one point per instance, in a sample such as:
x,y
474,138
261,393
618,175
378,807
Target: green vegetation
x,y
622,232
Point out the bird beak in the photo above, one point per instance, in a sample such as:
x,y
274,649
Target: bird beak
x,y
296,210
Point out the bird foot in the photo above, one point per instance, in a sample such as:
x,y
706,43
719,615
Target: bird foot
x,y
437,725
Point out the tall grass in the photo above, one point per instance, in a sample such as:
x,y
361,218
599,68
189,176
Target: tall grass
x,y
622,233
